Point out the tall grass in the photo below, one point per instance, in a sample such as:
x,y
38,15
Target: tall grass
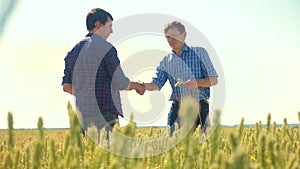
x,y
258,147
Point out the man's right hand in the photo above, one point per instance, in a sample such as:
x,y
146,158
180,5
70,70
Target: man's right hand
x,y
140,88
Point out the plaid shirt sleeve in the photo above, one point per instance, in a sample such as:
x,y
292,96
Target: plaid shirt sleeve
x,y
112,63
207,65
70,61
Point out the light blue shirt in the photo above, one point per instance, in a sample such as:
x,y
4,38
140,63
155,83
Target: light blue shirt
x,y
193,63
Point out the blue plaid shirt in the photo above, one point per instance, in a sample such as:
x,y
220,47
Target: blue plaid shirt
x,y
193,63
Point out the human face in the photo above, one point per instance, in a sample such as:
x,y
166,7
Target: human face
x,y
105,29
175,39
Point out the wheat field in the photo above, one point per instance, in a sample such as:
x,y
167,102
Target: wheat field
x,y
226,148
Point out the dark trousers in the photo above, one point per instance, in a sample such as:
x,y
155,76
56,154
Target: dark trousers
x,y
200,120
106,120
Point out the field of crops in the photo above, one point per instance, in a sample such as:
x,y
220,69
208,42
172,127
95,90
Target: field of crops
x,y
257,147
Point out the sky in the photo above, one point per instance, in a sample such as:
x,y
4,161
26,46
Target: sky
x,y
255,45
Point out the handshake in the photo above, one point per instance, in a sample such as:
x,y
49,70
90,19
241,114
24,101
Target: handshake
x,y
138,87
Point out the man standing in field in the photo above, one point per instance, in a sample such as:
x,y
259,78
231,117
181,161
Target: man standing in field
x,y
189,65
93,74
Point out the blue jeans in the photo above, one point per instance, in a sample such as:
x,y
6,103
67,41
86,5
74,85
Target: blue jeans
x,y
200,120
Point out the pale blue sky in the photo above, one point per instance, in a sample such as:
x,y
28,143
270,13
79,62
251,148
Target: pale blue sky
x,y
257,44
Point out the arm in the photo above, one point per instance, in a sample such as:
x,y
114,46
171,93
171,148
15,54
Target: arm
x,y
211,78
151,86
114,70
206,82
70,60
159,81
67,79
119,80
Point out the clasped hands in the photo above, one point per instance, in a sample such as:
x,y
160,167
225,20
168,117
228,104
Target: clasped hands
x,y
139,88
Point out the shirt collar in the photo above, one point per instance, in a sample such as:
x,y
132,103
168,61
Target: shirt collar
x,y
94,36
184,49
89,35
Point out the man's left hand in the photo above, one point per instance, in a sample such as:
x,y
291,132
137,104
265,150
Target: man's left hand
x,y
191,84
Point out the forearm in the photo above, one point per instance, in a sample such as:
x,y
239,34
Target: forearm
x,y
151,86
208,81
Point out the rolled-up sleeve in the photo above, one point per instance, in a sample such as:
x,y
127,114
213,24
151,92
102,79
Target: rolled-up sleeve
x,y
67,78
161,75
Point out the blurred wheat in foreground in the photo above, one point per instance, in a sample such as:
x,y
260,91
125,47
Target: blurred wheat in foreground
x,y
256,147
